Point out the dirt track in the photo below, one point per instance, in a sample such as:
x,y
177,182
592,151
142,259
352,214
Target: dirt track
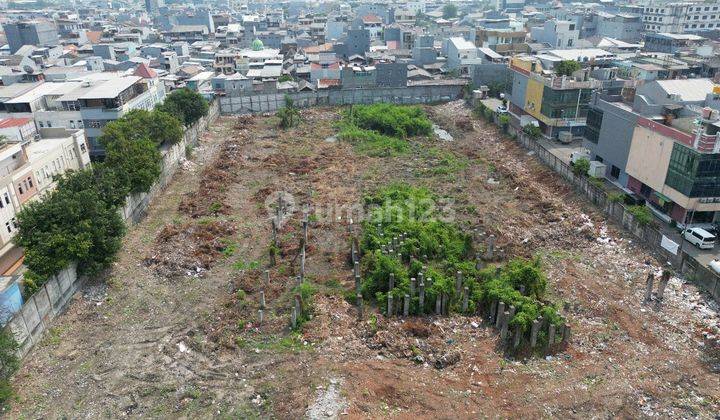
x,y
172,336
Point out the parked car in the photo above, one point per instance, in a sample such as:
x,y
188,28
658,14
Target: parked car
x,y
699,237
501,109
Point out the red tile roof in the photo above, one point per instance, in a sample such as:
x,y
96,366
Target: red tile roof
x,y
371,19
14,122
145,72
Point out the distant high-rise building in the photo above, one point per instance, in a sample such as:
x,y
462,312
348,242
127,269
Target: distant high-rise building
x,y
30,33
153,6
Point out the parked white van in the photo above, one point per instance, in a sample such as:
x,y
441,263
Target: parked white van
x,y
699,237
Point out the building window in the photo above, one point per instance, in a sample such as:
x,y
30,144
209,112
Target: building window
x,y
20,189
29,179
7,226
615,172
7,198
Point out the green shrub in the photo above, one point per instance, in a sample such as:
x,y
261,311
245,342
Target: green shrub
x,y
581,167
9,363
616,197
597,182
533,131
372,143
289,114
504,121
401,209
390,120
642,214
73,223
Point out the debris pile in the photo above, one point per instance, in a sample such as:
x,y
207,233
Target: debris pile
x,y
189,249
210,198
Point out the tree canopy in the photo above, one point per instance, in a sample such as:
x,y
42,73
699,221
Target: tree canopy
x,y
72,223
157,125
186,104
449,11
567,67
135,159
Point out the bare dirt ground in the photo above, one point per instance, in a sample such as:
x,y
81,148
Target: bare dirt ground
x,y
172,330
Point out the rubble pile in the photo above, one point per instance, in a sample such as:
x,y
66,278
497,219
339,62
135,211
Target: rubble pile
x,y
189,248
210,198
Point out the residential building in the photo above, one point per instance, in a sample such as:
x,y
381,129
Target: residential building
x,y
27,171
681,17
459,51
557,103
39,33
558,33
503,41
672,43
677,122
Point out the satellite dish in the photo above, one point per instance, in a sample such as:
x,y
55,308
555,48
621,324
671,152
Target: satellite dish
x,y
27,69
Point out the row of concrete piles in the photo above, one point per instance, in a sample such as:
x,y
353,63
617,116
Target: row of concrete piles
x,y
499,315
281,211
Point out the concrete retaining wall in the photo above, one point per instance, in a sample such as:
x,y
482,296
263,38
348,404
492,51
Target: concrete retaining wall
x,y
253,104
648,235
52,298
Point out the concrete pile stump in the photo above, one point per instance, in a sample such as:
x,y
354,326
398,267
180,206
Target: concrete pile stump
x,y
498,314
649,286
466,297
504,325
534,333
406,306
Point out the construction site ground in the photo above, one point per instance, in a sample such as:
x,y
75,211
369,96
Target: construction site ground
x,y
171,330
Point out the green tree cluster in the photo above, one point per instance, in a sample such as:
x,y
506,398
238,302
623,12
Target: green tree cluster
x,y
567,67
186,105
79,220
450,11
400,209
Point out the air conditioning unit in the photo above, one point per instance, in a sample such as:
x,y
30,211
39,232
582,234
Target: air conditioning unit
x,y
597,169
565,137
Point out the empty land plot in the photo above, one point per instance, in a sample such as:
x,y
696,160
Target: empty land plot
x,y
176,331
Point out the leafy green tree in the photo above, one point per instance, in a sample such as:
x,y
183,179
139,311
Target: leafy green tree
x,y
135,159
186,104
72,223
450,11
567,67
289,114
157,125
581,167
532,131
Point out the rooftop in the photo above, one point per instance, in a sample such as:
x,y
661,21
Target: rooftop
x,y
111,88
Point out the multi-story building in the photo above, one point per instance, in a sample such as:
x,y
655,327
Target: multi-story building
x,y
557,103
153,6
672,43
27,171
38,33
503,41
623,26
89,102
557,33
675,122
681,17
459,52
